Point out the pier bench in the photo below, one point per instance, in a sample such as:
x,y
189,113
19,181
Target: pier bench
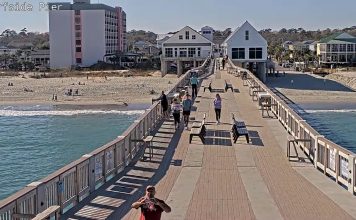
x,y
228,86
199,130
239,129
210,88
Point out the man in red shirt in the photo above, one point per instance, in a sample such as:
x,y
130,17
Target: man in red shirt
x,y
151,207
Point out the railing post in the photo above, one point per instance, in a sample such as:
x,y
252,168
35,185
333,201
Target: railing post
x,y
337,169
352,181
316,154
41,197
91,172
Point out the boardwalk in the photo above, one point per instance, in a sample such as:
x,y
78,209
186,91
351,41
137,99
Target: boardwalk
x,y
222,180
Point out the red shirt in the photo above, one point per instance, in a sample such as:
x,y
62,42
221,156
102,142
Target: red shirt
x,y
148,214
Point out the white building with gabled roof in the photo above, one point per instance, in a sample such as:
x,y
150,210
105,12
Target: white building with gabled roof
x,y
247,48
186,48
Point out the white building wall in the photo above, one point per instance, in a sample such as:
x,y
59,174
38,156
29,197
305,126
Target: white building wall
x,y
205,50
93,36
237,40
204,33
61,38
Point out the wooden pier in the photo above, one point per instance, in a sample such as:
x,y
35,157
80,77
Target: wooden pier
x,y
219,179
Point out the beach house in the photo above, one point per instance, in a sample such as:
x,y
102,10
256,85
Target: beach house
x,y
185,49
247,48
337,49
207,32
81,34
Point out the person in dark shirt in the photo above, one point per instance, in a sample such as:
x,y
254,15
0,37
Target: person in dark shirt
x,y
164,104
151,207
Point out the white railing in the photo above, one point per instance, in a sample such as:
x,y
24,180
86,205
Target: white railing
x,y
71,184
328,157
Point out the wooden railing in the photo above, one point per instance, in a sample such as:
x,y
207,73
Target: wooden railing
x,y
71,184
333,160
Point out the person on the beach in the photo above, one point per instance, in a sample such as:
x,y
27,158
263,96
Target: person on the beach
x,y
194,82
176,108
151,207
164,105
187,107
217,107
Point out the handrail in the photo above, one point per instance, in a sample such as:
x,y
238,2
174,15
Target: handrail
x,y
72,183
326,155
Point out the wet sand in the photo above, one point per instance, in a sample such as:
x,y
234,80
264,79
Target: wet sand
x,y
309,90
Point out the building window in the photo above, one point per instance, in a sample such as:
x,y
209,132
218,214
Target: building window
x,y
78,60
78,49
247,35
169,52
199,52
255,53
187,35
191,52
334,47
182,52
175,52
77,20
77,27
342,47
77,12
238,53
78,42
180,37
350,48
328,48
193,37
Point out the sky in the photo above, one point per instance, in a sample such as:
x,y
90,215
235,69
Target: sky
x,y
162,16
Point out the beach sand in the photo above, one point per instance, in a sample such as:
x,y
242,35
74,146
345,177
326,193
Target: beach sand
x,y
307,89
94,91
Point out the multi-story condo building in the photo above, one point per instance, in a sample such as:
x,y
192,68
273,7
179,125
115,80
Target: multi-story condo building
x,y
82,33
339,49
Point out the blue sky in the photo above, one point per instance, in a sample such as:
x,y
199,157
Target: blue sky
x,y
161,16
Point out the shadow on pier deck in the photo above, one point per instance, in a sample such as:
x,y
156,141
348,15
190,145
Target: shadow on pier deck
x,y
221,179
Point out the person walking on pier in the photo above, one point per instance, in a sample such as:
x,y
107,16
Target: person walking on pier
x,y
151,207
187,107
217,107
164,105
223,63
176,108
194,82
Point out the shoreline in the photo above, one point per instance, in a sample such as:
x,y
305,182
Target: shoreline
x,y
73,106
111,91
309,91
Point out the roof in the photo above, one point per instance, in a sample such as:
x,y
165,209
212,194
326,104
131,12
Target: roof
x,y
163,36
238,29
339,38
191,30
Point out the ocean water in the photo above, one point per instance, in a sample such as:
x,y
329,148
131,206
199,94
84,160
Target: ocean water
x,y
338,126
38,140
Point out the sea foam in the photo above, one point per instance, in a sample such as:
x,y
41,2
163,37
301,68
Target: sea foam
x,y
18,113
